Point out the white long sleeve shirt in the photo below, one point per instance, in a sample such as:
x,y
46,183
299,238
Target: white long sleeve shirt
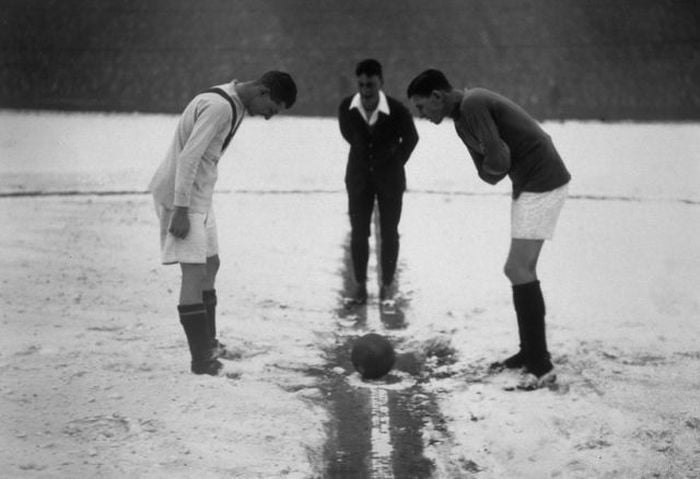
x,y
188,173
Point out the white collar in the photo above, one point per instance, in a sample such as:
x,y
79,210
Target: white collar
x,y
382,107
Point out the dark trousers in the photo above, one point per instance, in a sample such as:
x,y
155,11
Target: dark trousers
x,y
360,207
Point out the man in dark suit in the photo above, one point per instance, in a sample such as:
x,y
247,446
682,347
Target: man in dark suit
x,y
382,136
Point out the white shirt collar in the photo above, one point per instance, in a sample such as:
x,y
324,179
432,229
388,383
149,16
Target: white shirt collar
x,y
382,107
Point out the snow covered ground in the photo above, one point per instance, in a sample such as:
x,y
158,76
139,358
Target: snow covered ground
x,y
94,376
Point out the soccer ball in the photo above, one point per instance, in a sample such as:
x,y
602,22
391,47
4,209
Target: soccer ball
x,y
373,356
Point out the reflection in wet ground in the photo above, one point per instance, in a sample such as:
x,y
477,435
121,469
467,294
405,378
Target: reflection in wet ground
x,y
376,428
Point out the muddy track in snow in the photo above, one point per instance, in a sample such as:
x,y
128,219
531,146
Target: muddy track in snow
x,y
378,428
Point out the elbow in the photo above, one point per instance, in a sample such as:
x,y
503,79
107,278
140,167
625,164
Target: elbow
x,y
496,165
490,171
491,179
410,142
409,148
413,137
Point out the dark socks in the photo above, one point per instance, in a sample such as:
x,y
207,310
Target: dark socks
x,y
209,299
530,310
193,318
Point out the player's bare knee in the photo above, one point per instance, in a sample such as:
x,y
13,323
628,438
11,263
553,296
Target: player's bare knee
x,y
519,273
510,271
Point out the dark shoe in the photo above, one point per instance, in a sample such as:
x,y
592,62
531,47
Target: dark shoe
x,y
539,367
360,296
211,367
516,361
386,292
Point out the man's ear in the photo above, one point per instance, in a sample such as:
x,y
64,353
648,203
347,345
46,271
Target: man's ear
x,y
263,90
437,95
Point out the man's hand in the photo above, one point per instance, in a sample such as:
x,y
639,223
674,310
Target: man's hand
x,y
179,223
496,157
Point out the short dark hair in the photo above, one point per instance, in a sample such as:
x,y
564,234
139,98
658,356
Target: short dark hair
x,y
427,82
281,85
369,67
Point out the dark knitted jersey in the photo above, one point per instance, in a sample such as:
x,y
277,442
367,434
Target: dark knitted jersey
x,y
535,163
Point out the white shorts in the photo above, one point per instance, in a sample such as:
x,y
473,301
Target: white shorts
x,y
535,215
199,244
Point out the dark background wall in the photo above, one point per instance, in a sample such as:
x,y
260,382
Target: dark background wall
x,y
585,59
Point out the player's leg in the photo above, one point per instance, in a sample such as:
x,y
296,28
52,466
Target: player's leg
x,y
193,279
190,253
209,294
533,220
521,265
210,300
194,319
390,205
360,206
213,263
521,270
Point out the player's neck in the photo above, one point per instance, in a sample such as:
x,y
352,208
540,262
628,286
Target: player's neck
x,y
454,102
246,91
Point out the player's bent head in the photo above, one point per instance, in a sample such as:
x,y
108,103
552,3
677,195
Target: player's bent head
x,y
281,86
369,67
427,82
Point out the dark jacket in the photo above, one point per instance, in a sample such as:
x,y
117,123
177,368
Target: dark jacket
x,y
377,153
